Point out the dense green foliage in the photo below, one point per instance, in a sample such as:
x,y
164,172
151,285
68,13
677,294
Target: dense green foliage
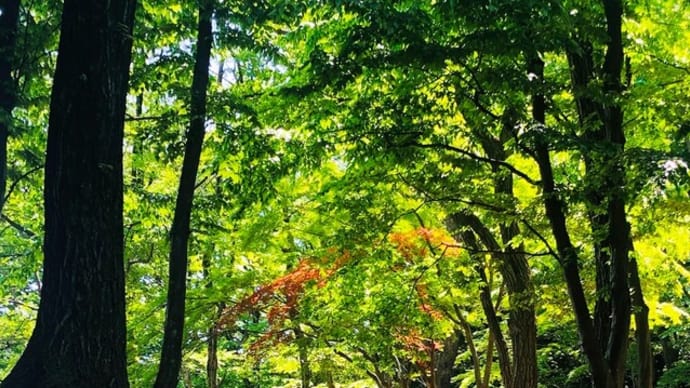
x,y
341,138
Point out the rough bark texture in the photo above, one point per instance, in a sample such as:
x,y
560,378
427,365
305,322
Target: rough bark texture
x,y
515,272
8,33
79,338
171,355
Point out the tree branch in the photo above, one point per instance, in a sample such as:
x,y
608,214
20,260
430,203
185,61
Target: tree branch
x,y
472,155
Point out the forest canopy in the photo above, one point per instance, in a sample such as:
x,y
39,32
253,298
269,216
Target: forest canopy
x,y
311,193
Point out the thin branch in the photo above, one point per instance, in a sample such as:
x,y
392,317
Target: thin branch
x,y
19,227
552,252
16,182
669,64
145,118
472,155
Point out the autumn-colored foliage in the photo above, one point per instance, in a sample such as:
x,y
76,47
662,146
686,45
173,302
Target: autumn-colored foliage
x,y
281,297
289,286
418,243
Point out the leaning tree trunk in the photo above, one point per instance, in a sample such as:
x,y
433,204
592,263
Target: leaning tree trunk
x,y
171,355
79,338
464,225
8,33
514,270
568,256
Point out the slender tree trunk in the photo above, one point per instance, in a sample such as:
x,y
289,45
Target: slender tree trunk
x,y
79,338
304,366
212,346
8,34
137,178
458,223
515,272
554,206
171,355
642,334
619,236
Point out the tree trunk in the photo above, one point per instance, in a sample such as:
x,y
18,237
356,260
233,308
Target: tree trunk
x,y
79,338
8,34
642,335
445,362
602,124
304,366
457,223
567,253
171,355
515,272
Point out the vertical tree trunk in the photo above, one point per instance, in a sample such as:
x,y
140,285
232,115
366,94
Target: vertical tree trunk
x,y
642,334
137,178
8,34
79,338
304,366
445,362
618,235
171,355
515,272
568,256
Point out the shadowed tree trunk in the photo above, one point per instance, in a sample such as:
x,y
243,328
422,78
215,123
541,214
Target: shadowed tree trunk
x,y
79,338
8,34
445,362
604,338
171,355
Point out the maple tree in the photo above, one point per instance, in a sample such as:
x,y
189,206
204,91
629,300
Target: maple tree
x,y
391,193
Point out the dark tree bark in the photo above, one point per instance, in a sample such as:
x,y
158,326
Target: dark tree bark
x,y
568,257
604,338
8,34
79,338
445,361
171,355
616,274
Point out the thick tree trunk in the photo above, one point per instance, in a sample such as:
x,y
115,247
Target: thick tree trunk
x,y
79,338
171,355
8,33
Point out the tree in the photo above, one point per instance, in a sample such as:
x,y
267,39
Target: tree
x,y
79,338
8,31
171,356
